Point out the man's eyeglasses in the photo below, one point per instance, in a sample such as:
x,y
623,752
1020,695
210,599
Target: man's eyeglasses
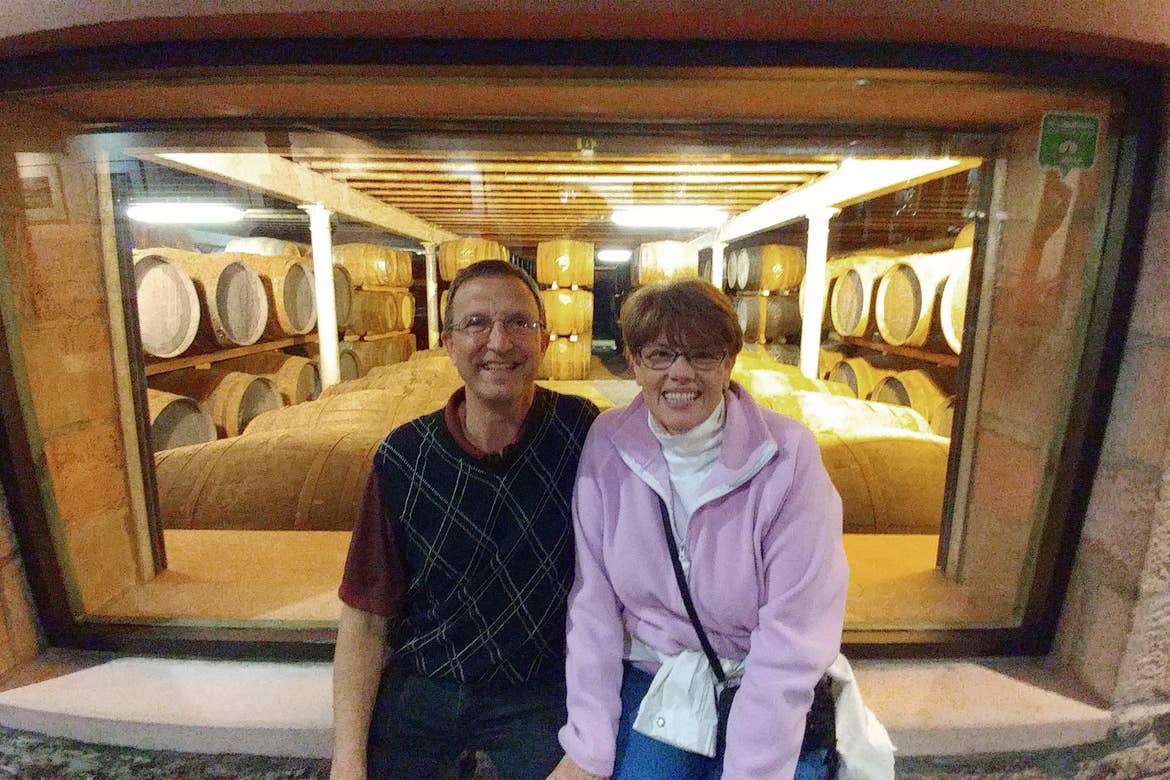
x,y
516,326
661,358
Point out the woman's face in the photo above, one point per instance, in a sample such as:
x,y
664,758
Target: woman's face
x,y
687,389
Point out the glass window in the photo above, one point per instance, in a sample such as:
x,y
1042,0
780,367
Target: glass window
x,y
213,328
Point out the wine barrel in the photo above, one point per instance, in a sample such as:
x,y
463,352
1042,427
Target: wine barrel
x,y
833,270
860,375
731,269
781,380
348,364
462,252
380,311
368,409
966,236
430,367
261,245
851,304
297,378
383,351
659,261
177,421
820,411
952,307
773,267
567,358
232,398
907,296
889,483
233,305
568,311
919,389
942,418
168,307
282,480
342,292
289,286
145,234
564,263
767,317
371,265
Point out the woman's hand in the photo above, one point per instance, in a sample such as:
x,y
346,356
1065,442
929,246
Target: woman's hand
x,y
568,770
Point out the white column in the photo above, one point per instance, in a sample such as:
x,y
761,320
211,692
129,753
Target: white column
x,y
717,263
322,238
814,288
432,295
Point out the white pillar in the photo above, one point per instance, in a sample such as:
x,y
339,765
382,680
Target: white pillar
x,y
432,295
322,238
814,288
717,263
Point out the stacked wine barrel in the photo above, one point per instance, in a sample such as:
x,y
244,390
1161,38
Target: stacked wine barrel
x,y
379,329
896,381
564,269
207,305
915,300
659,261
764,281
304,467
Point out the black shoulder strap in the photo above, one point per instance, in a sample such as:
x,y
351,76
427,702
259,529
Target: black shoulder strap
x,y
686,594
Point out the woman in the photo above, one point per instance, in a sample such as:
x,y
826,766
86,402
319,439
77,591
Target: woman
x,y
758,528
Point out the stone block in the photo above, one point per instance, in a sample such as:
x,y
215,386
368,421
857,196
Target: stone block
x,y
1145,670
1118,521
65,274
1156,568
19,612
1007,480
1151,308
1140,421
102,555
70,374
1104,629
87,467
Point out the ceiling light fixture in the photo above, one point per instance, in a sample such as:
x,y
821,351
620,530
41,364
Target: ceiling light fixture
x,y
613,255
680,217
185,213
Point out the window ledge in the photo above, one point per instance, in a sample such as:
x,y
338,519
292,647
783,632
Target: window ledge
x,y
930,707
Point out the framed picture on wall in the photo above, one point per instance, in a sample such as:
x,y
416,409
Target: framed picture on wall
x,y
40,186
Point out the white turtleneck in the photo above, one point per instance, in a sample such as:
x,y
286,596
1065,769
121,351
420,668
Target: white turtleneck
x,y
689,455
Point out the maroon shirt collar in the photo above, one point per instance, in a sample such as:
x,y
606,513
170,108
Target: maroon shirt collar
x,y
455,428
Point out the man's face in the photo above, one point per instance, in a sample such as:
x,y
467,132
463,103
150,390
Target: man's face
x,y
499,366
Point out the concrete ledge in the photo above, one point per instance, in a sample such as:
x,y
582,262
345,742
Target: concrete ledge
x,y
931,708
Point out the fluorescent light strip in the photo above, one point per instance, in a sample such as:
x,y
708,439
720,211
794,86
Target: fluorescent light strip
x,y
185,213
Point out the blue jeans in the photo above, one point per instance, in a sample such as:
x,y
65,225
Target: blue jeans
x,y
643,758
421,726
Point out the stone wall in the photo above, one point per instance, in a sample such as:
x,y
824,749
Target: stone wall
x,y
20,639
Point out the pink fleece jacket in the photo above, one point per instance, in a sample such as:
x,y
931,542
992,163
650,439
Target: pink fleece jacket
x,y
768,578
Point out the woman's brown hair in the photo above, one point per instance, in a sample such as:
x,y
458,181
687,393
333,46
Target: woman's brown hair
x,y
692,314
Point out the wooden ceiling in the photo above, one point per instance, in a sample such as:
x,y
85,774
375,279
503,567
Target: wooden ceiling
x,y
522,198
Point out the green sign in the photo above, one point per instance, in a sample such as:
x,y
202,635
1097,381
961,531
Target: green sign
x,y
1068,141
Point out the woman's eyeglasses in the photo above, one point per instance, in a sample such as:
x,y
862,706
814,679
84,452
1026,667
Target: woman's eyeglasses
x,y
661,358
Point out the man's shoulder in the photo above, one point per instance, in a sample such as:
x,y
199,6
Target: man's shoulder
x,y
409,434
570,408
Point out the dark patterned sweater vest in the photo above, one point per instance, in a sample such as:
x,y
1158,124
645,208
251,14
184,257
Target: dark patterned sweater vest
x,y
487,545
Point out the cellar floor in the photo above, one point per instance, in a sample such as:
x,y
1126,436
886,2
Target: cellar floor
x,y
293,575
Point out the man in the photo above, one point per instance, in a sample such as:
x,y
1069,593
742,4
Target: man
x,y
465,539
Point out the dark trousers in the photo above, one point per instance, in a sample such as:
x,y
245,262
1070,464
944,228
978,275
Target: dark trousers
x,y
421,726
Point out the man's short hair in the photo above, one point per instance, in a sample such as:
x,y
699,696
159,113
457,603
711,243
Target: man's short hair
x,y
492,268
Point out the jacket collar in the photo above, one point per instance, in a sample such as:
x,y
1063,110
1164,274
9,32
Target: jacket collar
x,y
747,444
